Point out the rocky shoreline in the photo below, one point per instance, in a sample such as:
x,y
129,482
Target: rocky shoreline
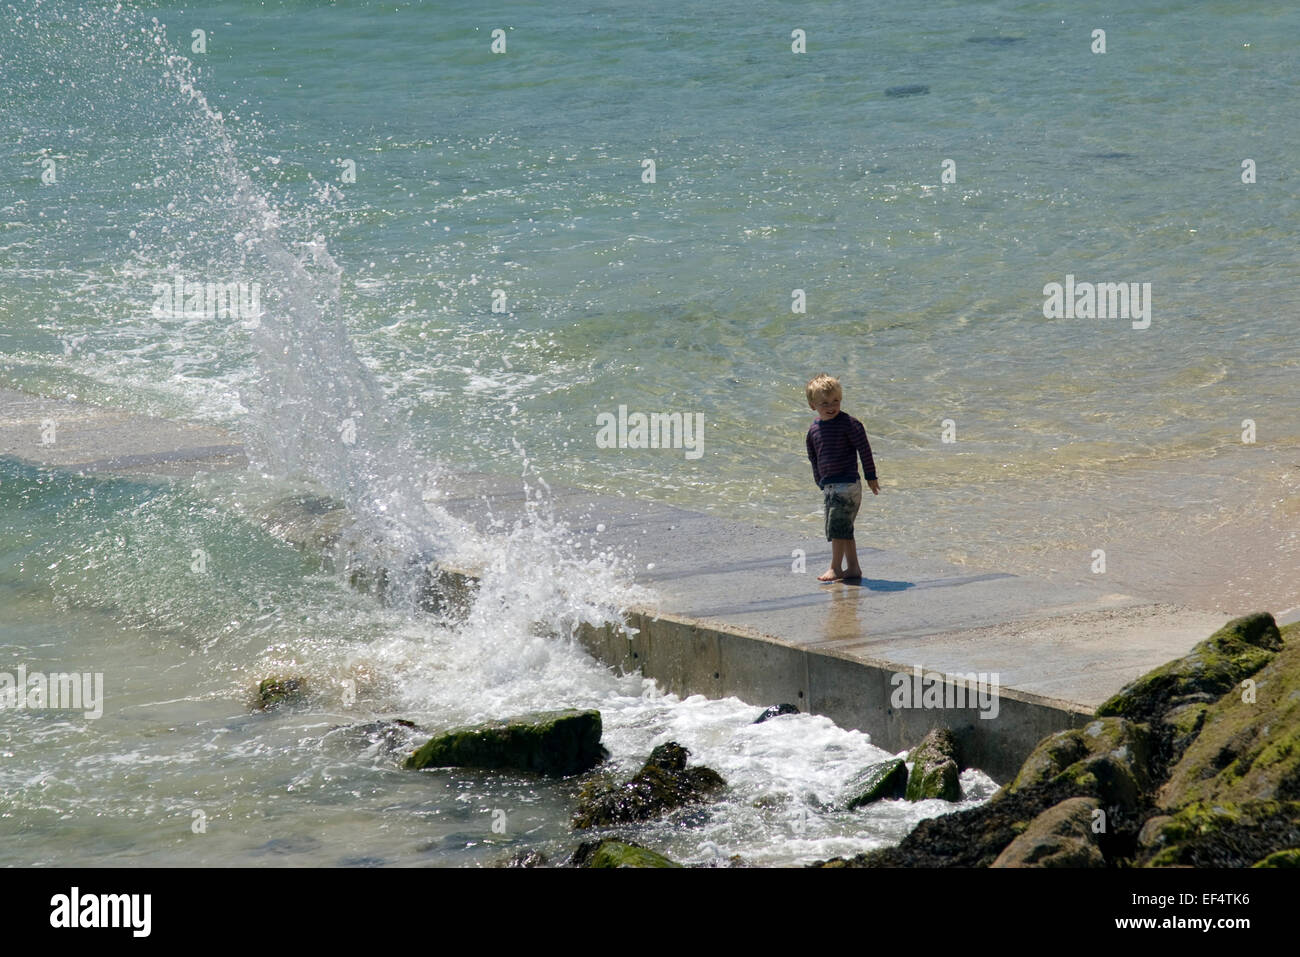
x,y
1196,763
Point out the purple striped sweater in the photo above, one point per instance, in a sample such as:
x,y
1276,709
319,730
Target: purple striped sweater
x,y
833,449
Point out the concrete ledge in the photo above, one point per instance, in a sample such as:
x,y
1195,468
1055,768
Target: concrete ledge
x,y
686,657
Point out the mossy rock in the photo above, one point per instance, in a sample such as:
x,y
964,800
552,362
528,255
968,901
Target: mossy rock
x,y
1107,758
1246,750
279,690
973,837
1288,858
1236,651
1059,837
1179,728
555,743
875,783
935,768
662,785
612,853
1224,835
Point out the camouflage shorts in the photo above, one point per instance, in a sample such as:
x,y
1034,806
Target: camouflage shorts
x,y
842,504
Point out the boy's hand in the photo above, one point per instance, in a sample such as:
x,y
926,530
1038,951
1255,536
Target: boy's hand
x,y
874,486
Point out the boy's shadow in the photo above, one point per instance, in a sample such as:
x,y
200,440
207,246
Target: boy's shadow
x,y
876,584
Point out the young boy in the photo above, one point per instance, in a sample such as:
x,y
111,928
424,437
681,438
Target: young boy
x,y
835,440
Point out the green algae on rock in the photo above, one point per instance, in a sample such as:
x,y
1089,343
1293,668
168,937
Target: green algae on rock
x,y
1223,756
935,768
612,853
556,743
1236,651
663,784
278,690
1248,748
1288,858
1223,835
1107,758
874,783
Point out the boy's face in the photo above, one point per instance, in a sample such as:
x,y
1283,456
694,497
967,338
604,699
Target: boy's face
x,y
827,406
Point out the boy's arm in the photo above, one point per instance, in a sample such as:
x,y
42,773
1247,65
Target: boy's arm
x,y
858,436
812,457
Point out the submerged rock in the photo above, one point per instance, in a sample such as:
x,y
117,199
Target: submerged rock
x,y
775,712
663,784
523,859
935,768
612,853
911,89
1236,651
278,690
1059,837
390,734
550,742
875,783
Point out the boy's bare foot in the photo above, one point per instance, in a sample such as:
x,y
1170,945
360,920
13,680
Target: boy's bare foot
x,y
830,575
853,573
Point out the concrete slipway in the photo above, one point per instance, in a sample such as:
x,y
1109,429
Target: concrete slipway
x,y
737,620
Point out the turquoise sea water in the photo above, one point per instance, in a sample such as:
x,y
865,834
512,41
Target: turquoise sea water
x,y
522,172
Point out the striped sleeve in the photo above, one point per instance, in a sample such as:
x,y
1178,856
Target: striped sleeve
x,y
858,436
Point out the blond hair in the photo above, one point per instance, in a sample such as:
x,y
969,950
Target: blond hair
x,y
823,385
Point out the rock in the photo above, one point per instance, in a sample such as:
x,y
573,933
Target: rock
x,y
1230,749
551,742
1106,759
1059,837
669,756
874,783
775,712
935,768
275,691
1247,750
663,784
1149,836
970,838
1288,858
912,89
391,735
1237,650
524,859
1223,835
612,853
772,801
1178,728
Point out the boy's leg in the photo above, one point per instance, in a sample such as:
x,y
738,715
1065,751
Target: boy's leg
x,y
837,558
852,569
842,502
